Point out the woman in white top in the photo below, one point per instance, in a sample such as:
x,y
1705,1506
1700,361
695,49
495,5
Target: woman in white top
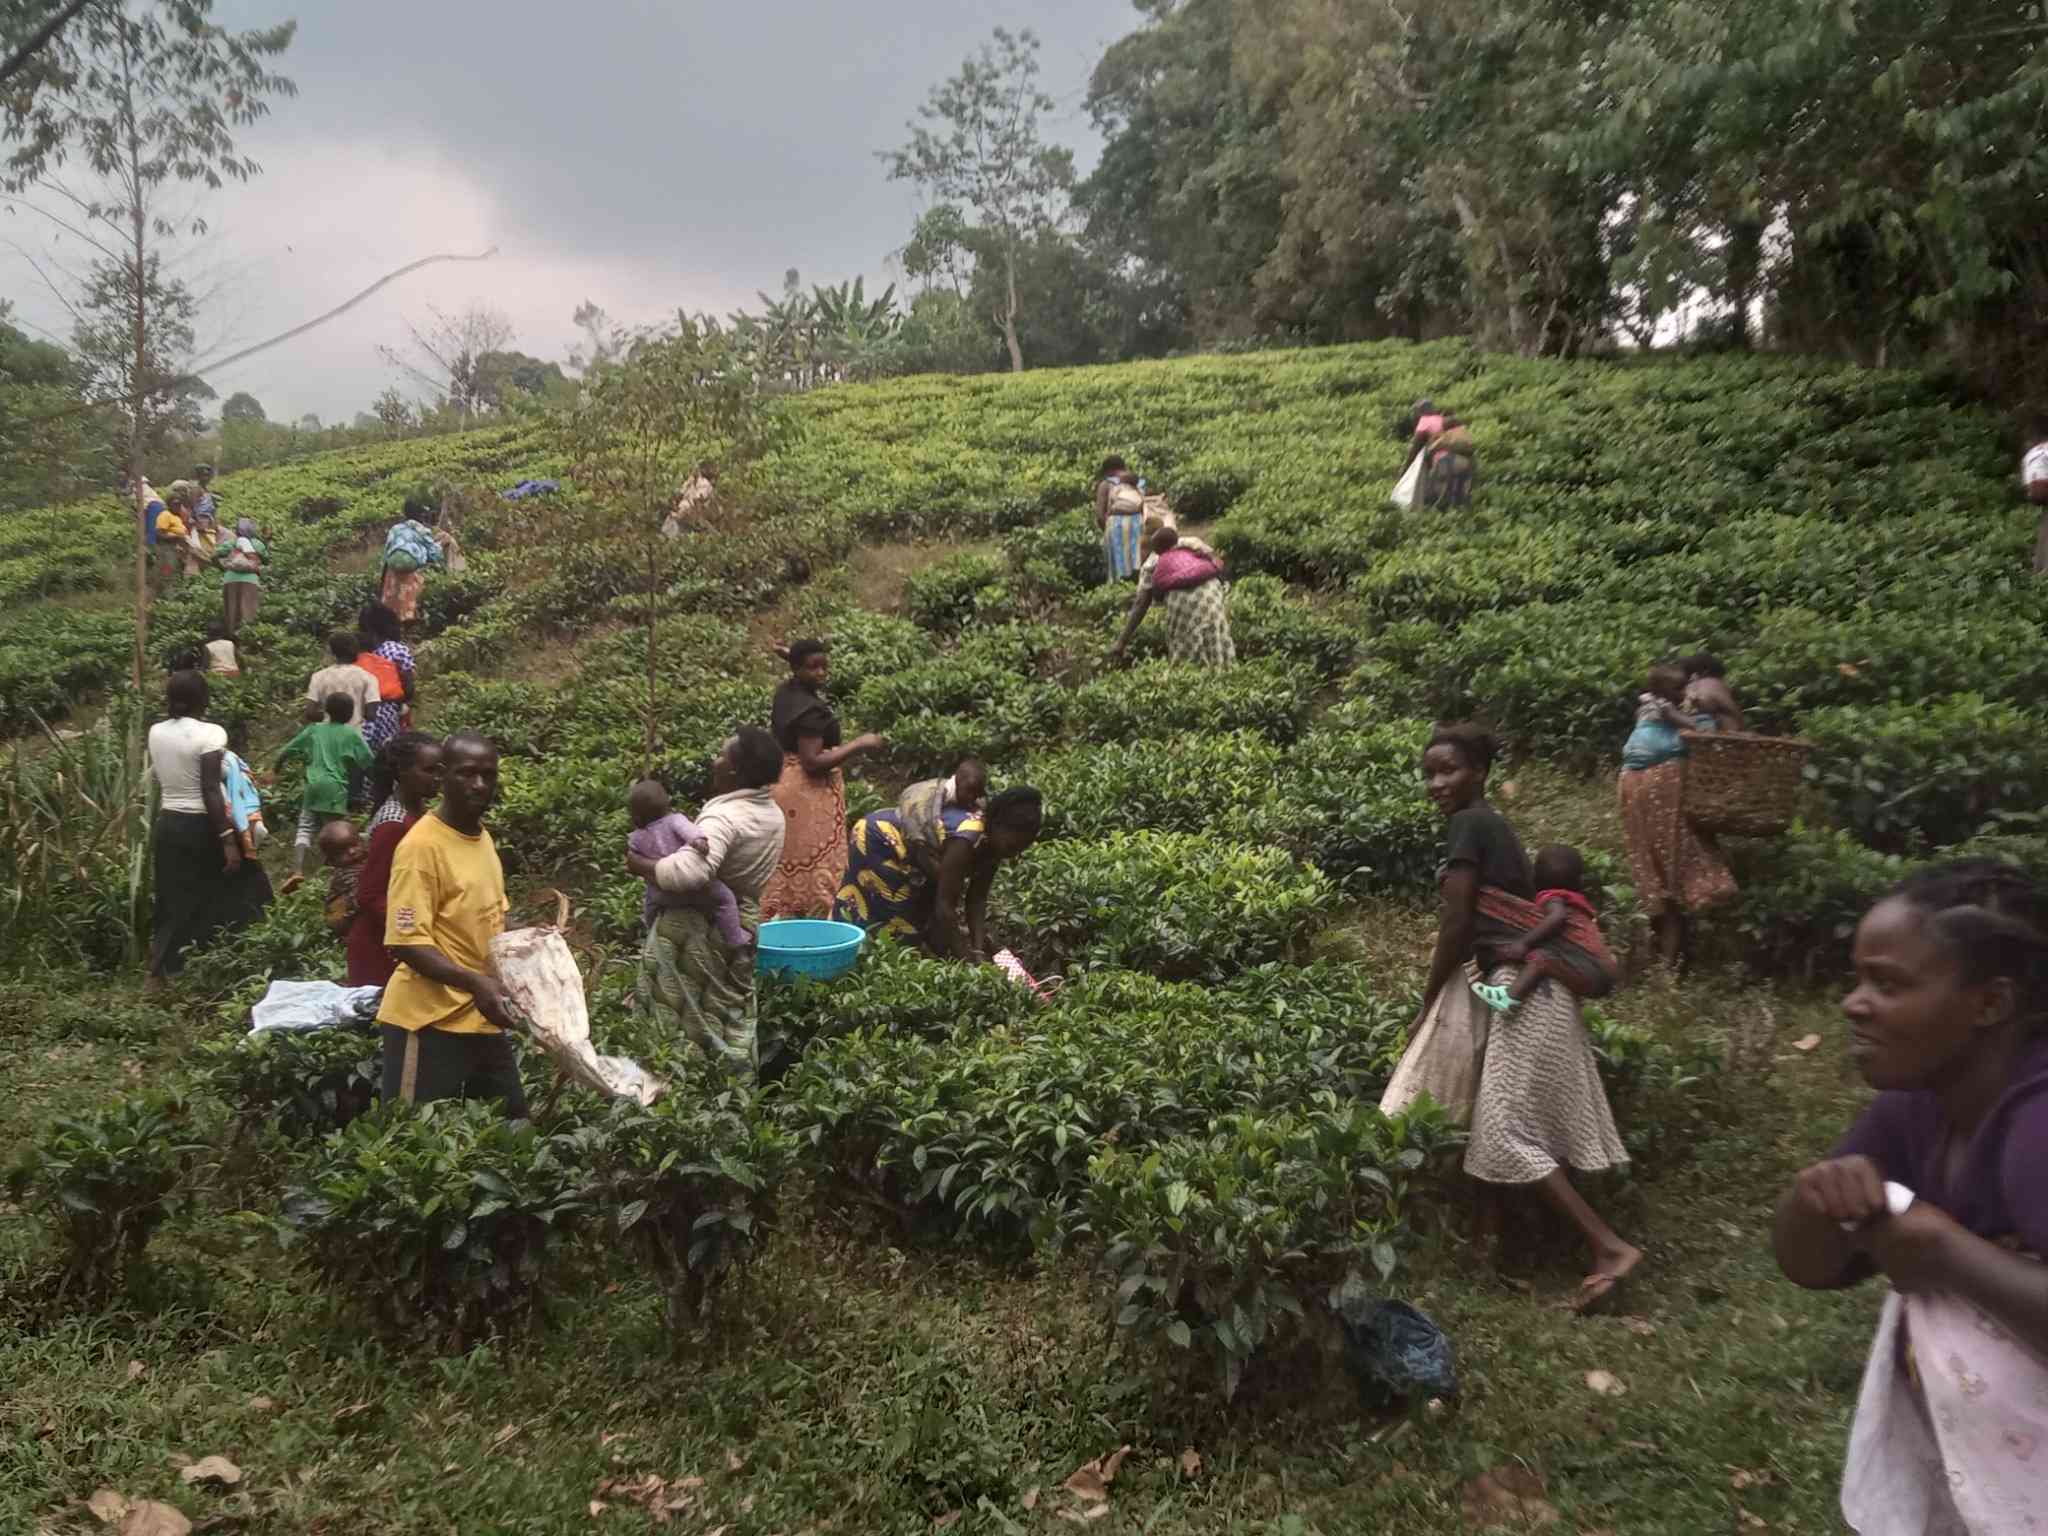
x,y
203,884
2034,481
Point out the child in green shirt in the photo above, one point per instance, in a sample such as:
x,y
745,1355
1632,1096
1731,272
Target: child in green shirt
x,y
331,748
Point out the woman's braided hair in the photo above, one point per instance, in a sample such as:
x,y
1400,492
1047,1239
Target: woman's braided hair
x,y
393,758
1993,917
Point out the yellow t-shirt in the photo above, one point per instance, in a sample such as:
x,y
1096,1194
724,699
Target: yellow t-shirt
x,y
447,891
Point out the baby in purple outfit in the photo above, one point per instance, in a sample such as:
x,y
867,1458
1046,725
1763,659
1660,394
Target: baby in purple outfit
x,y
659,831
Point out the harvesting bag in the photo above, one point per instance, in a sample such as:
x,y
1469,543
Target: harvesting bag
x,y
1410,481
1158,515
1443,1056
545,989
1013,968
242,558
1126,501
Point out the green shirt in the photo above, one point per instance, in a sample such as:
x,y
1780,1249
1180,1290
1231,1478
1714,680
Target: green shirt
x,y
220,555
330,750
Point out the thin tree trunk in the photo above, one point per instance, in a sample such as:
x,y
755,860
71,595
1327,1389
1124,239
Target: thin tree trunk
x,y
1010,314
653,652
137,381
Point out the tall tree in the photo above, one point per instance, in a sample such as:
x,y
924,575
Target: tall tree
x,y
978,147
242,406
444,355
137,96
53,445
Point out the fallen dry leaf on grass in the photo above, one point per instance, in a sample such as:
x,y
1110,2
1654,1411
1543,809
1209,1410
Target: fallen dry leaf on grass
x,y
504,1436
1606,1383
341,1415
212,1469
1506,1495
136,1369
150,1518
1191,1462
1806,1042
949,1519
734,1461
1641,1327
261,1405
1030,1499
597,1507
1092,1480
107,1504
1742,1477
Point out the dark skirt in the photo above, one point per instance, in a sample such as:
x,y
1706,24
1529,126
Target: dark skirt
x,y
196,897
1448,480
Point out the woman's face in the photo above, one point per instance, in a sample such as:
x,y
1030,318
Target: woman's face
x,y
814,669
420,782
1912,1016
1451,781
725,775
1008,840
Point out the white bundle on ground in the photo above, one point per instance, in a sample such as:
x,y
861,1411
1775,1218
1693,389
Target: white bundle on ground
x,y
541,981
313,1005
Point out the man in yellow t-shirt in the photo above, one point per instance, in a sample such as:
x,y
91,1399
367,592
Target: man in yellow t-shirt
x,y
444,1016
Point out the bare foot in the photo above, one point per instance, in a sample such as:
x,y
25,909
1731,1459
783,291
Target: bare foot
x,y
1599,1289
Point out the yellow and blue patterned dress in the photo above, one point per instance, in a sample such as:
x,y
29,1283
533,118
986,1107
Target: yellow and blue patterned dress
x,y
887,889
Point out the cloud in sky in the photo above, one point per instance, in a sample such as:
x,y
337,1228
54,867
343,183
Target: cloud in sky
x,y
645,154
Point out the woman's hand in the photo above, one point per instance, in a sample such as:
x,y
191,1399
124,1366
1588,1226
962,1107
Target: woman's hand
x,y
231,854
1848,1191
780,648
1916,1250
871,741
1511,954
638,867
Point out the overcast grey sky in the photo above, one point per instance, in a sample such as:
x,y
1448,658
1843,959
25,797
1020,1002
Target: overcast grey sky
x,y
642,154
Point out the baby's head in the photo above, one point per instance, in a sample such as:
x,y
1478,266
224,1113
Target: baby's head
x,y
1667,682
1559,868
341,844
648,802
970,781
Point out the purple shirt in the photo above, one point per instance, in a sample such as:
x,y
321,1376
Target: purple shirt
x,y
657,840
2001,1191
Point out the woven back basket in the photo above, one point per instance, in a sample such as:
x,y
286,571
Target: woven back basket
x,y
1742,785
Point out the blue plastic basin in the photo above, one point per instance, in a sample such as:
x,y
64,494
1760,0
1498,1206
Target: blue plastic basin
x,y
808,947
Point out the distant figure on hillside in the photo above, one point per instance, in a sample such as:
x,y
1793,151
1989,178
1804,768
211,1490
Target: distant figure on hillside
x,y
1424,422
411,549
1707,692
1937,1187
2034,481
242,561
1188,575
1120,518
222,659
207,504
390,660
1679,870
694,500
203,882
171,530
1529,1085
812,789
1451,465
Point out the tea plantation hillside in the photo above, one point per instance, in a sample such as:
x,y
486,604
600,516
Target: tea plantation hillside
x,y
957,1242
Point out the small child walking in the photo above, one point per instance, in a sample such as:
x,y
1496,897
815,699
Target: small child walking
x,y
658,831
332,749
1566,945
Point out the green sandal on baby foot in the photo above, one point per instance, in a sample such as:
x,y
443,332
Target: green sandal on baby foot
x,y
1494,997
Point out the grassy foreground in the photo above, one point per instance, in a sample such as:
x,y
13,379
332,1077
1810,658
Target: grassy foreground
x,y
864,1388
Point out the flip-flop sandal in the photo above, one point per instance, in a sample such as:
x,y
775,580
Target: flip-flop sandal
x,y
1494,997
1598,1294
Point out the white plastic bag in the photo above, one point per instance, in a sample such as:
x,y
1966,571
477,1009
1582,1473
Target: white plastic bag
x,y
312,1005
545,989
1409,483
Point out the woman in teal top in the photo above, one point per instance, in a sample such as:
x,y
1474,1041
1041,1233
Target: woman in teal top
x,y
1678,869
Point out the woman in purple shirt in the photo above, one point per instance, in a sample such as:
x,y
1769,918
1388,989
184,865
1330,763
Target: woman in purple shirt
x,y
1942,1185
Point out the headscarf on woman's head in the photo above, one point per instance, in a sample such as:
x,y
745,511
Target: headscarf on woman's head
x,y
182,493
245,528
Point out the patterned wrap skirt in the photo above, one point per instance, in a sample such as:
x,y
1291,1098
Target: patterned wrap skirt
x,y
1198,626
1447,480
1121,545
703,990
1540,1105
807,880
886,889
1674,863
401,593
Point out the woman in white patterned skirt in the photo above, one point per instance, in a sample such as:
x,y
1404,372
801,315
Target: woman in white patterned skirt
x,y
1527,1078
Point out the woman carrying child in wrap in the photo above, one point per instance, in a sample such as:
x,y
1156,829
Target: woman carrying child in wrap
x,y
1527,1081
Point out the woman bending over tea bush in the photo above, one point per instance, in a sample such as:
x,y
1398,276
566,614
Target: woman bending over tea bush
x,y
908,869
1938,1186
1528,1081
1189,576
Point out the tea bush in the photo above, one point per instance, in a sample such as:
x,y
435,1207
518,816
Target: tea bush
x,y
690,1183
1232,786
1159,699
105,1181
1357,776
1220,1244
1266,621
297,1083
1906,777
957,590
440,1221
1179,905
